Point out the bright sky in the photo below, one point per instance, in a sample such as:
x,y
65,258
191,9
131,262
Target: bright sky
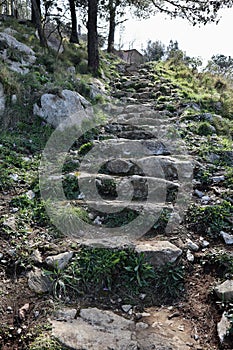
x,y
203,41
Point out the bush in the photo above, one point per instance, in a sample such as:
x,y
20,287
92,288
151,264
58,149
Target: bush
x,y
205,129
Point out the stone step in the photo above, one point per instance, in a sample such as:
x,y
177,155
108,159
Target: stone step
x,y
162,167
134,187
143,120
105,207
126,148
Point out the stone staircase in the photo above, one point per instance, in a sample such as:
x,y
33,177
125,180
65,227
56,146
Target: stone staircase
x,y
134,183
138,175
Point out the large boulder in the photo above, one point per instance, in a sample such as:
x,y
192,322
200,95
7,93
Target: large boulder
x,y
55,108
17,55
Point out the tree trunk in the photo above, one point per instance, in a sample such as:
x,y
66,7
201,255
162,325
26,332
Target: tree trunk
x,y
93,49
74,34
33,19
37,19
112,26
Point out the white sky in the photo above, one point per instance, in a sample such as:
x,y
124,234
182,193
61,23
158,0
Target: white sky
x,y
203,41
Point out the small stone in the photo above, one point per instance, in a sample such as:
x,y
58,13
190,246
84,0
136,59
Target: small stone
x,y
12,252
199,193
204,243
30,194
223,327
190,256
9,309
224,291
14,177
192,246
38,281
142,296
81,196
126,308
1,255
10,222
141,325
36,313
217,179
159,253
228,239
59,261
36,256
205,199
97,221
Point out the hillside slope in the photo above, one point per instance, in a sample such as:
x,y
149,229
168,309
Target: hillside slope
x,y
147,215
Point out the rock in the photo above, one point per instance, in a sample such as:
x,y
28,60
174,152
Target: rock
x,y
97,221
24,56
10,42
38,281
223,327
97,88
126,308
56,108
190,256
14,99
205,199
199,193
95,330
192,246
10,222
217,179
204,243
213,157
207,117
66,314
30,194
224,291
2,100
228,239
59,261
36,256
159,253
119,166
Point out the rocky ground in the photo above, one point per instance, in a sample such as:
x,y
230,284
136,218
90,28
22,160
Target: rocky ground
x,y
145,259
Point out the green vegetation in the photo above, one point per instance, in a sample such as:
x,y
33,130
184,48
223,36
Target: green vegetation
x,y
210,219
122,272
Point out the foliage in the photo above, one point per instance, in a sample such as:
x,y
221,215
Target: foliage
x,y
45,342
118,271
120,219
222,262
70,186
205,129
154,51
210,219
222,65
85,148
